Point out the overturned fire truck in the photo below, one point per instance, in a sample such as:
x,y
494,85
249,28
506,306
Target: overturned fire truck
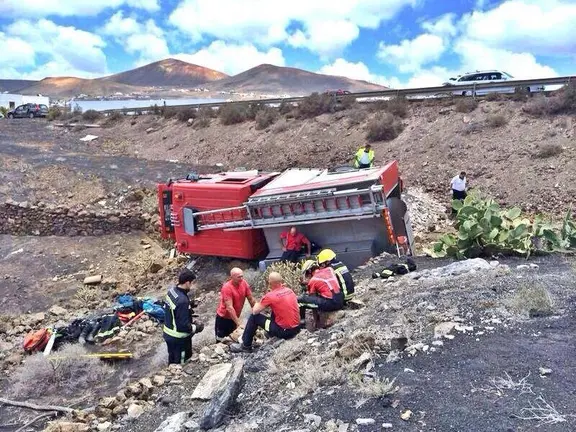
x,y
358,213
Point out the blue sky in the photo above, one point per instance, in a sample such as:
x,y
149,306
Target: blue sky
x,y
401,43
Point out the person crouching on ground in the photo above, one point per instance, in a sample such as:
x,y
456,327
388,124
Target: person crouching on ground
x,y
284,322
458,185
324,292
178,326
327,258
232,297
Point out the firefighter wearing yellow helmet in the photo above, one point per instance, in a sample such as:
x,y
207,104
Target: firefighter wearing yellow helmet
x,y
323,292
327,258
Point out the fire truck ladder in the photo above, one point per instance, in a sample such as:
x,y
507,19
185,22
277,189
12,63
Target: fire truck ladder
x,y
301,207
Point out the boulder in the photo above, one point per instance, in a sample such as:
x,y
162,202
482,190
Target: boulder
x,y
455,269
159,380
211,381
58,310
174,423
226,396
135,411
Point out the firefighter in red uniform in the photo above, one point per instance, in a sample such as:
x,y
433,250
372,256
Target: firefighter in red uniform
x,y
324,293
284,322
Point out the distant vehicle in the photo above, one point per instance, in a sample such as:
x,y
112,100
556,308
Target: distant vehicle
x,y
29,110
484,77
338,92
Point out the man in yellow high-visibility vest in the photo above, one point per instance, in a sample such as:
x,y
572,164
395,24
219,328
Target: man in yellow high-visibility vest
x,y
364,157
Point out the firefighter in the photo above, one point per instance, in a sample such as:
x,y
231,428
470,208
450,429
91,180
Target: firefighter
x,y
323,290
364,157
233,295
284,322
178,325
327,258
292,242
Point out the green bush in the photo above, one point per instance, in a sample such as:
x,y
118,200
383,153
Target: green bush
x,y
266,117
4,111
484,229
384,127
290,273
54,113
232,114
91,115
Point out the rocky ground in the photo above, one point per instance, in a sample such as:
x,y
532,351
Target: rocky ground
x,y
476,338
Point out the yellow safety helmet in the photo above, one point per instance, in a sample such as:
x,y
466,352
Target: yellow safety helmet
x,y
326,255
307,265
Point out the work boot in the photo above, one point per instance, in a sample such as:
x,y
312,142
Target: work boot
x,y
239,348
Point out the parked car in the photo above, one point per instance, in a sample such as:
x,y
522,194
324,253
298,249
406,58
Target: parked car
x,y
29,110
338,92
483,77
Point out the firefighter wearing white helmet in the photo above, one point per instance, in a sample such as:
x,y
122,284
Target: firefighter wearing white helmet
x,y
327,258
323,291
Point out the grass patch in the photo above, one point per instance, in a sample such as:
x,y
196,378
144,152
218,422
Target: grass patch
x,y
69,374
373,387
466,105
496,120
548,150
232,114
384,127
532,299
266,117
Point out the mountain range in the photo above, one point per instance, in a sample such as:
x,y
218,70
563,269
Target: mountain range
x,y
162,77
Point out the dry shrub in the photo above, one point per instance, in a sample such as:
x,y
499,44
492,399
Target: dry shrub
x,y
253,109
398,106
384,127
232,114
289,352
290,273
466,105
541,106
318,374
113,118
356,116
373,387
315,105
89,295
492,97
91,115
532,299
207,112
54,113
472,127
547,150
285,107
67,374
201,123
520,94
281,126
169,112
184,114
266,117
347,101
496,120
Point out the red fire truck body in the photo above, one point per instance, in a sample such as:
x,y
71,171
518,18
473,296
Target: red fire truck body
x,y
356,212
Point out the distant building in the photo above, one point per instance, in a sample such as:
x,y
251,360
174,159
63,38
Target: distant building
x,y
11,101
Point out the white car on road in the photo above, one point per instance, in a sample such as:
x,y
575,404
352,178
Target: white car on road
x,y
484,77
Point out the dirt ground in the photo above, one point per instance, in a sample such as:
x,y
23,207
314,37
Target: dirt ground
x,y
437,143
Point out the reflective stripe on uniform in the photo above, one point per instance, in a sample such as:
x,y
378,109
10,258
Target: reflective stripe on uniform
x,y
308,305
172,331
267,325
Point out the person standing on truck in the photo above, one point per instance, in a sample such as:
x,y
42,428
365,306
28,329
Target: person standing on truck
x,y
178,326
323,290
292,242
327,258
232,297
364,157
284,321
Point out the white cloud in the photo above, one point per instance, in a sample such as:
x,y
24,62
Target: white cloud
x,y
411,55
143,39
233,58
41,8
540,27
15,52
270,22
357,71
444,26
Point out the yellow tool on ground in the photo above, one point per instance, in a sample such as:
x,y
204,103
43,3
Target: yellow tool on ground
x,y
104,356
